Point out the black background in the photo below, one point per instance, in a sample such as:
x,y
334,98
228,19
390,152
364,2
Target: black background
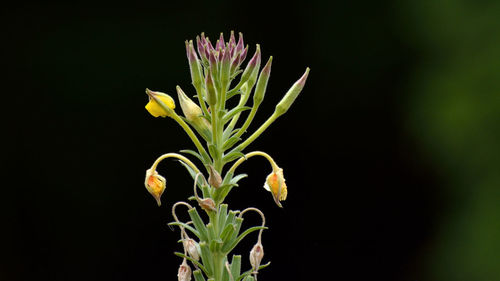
x,y
363,202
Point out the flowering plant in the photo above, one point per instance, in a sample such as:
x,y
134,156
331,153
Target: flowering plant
x,y
213,69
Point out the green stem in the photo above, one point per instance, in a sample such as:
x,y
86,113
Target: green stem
x,y
254,153
257,133
248,121
191,135
199,93
175,155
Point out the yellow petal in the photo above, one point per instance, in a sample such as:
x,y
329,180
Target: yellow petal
x,y
273,183
155,109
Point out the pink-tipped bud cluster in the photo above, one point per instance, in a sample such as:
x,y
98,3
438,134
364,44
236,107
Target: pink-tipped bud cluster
x,y
229,55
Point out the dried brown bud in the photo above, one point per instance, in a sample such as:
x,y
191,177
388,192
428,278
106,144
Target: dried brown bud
x,y
207,204
256,255
192,248
184,273
214,179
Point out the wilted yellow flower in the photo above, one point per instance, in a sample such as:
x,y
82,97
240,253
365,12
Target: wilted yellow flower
x,y
275,183
155,184
154,108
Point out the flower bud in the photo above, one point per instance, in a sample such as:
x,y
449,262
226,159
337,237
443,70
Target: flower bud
x,y
155,184
192,248
260,88
193,114
256,255
160,104
184,273
214,64
252,64
225,66
214,178
211,91
275,183
240,45
194,65
220,43
291,95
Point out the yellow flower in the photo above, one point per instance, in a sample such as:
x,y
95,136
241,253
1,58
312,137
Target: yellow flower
x,y
155,108
275,183
155,184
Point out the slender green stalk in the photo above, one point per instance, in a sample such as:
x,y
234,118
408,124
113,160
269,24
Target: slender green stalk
x,y
248,155
257,133
178,156
192,136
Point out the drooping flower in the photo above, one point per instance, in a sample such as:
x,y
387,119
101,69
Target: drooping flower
x,y
184,273
155,108
192,248
155,184
275,183
256,255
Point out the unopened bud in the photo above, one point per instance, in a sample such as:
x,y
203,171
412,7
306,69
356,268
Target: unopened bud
x,y
160,104
184,273
193,114
252,64
192,248
214,179
211,92
291,95
194,64
225,66
256,255
260,88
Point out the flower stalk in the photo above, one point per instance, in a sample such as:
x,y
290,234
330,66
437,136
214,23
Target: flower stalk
x,y
214,68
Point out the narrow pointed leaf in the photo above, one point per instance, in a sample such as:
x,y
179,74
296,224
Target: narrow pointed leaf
x,y
188,227
198,224
228,248
198,276
232,156
192,152
197,263
206,257
236,266
230,142
227,117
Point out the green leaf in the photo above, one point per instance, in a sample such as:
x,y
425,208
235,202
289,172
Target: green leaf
x,y
197,263
192,152
229,247
222,192
227,117
236,266
230,217
213,150
230,142
232,156
198,224
188,227
198,276
215,245
227,233
238,177
211,232
222,216
248,272
206,257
